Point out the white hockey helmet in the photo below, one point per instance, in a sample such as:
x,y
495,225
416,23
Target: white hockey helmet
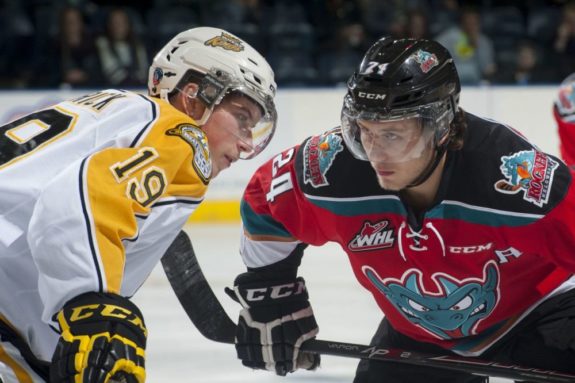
x,y
219,63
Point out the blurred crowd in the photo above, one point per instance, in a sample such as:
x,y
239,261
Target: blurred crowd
x,y
91,43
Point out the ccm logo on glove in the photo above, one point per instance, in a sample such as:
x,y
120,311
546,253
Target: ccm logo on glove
x,y
275,292
106,310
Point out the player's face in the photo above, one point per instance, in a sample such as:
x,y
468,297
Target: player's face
x,y
398,150
229,130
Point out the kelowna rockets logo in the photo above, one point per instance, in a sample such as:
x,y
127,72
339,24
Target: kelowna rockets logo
x,y
529,171
452,309
373,236
319,154
427,60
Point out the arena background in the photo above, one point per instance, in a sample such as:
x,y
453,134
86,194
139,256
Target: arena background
x,y
305,41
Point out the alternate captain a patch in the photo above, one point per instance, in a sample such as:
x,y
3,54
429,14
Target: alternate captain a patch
x,y
529,171
318,155
196,138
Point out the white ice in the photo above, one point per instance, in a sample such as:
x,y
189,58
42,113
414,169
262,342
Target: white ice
x,y
177,352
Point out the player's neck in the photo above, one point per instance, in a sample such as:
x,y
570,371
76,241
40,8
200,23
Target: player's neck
x,y
422,197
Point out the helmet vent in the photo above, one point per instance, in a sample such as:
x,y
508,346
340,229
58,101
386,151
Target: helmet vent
x,y
174,49
252,61
406,79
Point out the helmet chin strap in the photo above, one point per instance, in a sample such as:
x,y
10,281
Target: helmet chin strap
x,y
440,150
205,115
428,171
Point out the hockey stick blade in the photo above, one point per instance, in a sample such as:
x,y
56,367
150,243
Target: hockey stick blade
x,y
194,292
207,314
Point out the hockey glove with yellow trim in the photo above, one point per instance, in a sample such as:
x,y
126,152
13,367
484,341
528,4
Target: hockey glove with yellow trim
x,y
103,339
275,320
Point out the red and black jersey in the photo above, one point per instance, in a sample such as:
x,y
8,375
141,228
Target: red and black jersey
x,y
499,240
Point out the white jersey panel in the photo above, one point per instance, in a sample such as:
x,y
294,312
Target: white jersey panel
x,y
49,252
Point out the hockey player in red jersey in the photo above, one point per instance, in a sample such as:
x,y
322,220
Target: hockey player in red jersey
x,y
93,191
564,114
459,227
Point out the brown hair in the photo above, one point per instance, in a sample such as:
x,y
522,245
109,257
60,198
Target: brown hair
x,y
457,131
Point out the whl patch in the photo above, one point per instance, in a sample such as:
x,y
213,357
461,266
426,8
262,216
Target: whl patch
x,y
373,236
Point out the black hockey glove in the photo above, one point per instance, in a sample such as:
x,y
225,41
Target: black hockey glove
x,y
103,339
275,320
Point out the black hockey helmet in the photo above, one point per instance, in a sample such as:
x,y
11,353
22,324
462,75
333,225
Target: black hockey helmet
x,y
400,79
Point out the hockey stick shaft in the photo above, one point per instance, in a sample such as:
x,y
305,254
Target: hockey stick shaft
x,y
210,318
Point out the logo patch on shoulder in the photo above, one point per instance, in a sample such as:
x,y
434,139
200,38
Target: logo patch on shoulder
x,y
227,42
196,138
529,171
426,60
319,153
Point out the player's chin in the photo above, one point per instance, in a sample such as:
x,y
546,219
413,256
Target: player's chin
x,y
216,169
389,184
220,166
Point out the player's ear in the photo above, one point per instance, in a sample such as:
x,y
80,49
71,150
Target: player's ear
x,y
191,105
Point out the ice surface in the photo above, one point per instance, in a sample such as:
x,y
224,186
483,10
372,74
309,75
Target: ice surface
x,y
177,352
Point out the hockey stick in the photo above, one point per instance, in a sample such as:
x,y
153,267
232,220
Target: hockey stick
x,y
210,318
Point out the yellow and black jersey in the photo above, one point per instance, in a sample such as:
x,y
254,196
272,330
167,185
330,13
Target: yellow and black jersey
x,y
92,192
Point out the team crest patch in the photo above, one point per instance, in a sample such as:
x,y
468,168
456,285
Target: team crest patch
x,y
373,236
197,140
226,41
529,171
426,60
319,153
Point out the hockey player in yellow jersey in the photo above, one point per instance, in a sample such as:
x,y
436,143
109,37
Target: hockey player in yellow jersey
x,y
94,190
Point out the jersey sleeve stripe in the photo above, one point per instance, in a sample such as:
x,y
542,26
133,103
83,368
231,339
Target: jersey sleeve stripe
x,y
260,224
89,225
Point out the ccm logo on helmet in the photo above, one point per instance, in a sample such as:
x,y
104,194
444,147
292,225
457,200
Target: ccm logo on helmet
x,y
371,96
275,292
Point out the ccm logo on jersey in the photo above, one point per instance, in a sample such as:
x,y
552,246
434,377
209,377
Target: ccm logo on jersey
x,y
469,249
275,292
371,96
